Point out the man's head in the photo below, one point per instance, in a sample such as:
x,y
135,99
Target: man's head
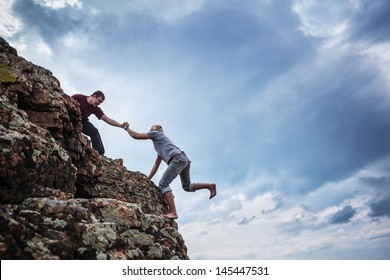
x,y
157,127
97,98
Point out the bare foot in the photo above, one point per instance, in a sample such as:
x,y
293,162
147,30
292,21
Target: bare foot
x,y
171,216
213,191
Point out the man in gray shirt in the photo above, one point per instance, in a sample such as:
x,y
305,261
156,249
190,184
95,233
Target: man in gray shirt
x,y
178,164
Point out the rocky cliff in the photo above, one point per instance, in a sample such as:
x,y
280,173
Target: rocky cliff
x,y
59,199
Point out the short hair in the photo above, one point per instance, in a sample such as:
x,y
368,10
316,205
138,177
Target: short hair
x,y
98,93
157,127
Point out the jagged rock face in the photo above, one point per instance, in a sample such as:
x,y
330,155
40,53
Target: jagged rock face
x,y
59,199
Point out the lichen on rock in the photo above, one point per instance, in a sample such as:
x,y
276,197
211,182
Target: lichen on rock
x,y
6,75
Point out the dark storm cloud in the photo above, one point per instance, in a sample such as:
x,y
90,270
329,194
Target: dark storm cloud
x,y
380,208
236,41
344,131
49,23
343,216
340,126
381,184
373,21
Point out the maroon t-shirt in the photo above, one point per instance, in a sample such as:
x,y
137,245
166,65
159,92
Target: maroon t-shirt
x,y
86,108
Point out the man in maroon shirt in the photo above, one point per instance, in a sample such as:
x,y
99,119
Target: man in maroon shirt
x,y
90,105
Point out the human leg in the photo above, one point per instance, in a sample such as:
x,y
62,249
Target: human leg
x,y
171,204
173,170
209,186
90,130
185,177
189,187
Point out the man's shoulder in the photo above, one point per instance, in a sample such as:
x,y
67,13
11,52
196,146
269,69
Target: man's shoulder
x,y
155,134
81,98
152,133
78,95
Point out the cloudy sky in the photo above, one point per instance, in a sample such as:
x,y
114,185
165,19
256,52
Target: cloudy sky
x,y
283,104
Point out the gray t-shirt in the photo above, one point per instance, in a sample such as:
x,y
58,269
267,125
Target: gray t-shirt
x,y
163,145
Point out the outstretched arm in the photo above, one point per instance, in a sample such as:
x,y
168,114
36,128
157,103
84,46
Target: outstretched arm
x,y
111,121
155,167
136,135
